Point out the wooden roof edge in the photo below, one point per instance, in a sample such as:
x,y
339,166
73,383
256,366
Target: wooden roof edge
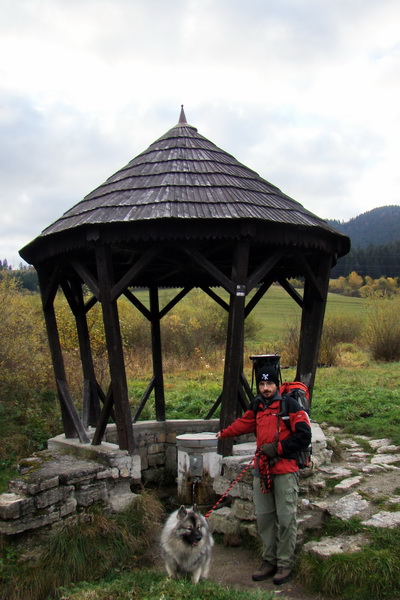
x,y
55,244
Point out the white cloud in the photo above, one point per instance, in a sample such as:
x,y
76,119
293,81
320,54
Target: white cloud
x,y
306,92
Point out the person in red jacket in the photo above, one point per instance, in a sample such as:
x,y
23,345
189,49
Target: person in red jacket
x,y
276,474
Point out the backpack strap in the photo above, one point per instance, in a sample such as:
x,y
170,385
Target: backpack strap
x,y
284,412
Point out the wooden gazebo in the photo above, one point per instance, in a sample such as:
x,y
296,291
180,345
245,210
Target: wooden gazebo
x,y
182,214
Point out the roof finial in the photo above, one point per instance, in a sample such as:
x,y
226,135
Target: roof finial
x,y
182,117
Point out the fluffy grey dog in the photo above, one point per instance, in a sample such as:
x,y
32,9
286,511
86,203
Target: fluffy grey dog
x,y
186,544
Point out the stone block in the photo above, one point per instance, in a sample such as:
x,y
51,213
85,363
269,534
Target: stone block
x,y
52,496
13,506
120,502
155,449
171,458
128,466
247,528
243,510
34,484
29,522
153,475
156,459
68,507
171,438
111,473
86,495
222,520
240,490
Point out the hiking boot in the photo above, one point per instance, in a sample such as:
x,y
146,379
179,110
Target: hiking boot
x,y
282,575
266,570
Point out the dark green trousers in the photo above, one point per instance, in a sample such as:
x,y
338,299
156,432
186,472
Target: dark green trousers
x,y
276,514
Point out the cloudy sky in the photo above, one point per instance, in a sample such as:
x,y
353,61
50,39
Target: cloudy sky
x,y
305,92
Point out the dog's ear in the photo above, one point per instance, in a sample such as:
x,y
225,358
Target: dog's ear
x,y
182,512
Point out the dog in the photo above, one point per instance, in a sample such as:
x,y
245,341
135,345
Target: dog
x,y
186,544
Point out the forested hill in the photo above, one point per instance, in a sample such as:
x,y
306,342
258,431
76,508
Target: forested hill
x,y
377,227
375,244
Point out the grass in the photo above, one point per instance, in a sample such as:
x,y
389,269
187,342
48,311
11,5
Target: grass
x,y
373,572
150,585
361,401
276,309
95,547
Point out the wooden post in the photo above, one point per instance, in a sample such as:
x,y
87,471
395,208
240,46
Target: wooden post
x,y
91,403
234,345
114,348
157,354
314,304
71,422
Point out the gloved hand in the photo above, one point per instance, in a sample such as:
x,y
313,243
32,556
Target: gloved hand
x,y
270,450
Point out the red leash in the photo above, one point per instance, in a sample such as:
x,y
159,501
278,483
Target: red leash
x,y
234,482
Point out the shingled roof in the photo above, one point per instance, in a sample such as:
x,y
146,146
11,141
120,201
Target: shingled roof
x,y
187,182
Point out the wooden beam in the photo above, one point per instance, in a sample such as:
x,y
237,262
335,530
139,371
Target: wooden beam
x,y
293,293
86,276
105,414
50,288
113,336
215,297
214,407
175,301
136,302
246,387
309,274
234,345
46,282
263,269
312,322
157,354
90,303
70,408
203,262
103,397
144,399
262,290
134,271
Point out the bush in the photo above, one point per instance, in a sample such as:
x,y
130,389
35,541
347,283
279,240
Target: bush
x,y
382,331
29,412
337,330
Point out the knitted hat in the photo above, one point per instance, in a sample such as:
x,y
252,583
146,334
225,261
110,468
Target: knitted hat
x,y
267,374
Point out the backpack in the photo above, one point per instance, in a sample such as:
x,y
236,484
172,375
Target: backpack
x,y
299,392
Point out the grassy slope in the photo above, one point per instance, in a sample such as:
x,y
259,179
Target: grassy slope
x,y
277,309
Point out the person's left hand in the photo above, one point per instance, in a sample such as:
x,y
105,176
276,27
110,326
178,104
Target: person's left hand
x,y
270,450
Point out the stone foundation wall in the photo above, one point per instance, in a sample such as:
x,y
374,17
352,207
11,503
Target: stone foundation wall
x,y
63,481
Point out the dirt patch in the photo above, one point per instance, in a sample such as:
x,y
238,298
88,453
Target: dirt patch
x,y
233,567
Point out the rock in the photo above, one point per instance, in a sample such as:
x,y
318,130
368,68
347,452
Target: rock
x,y
375,444
335,472
388,449
336,545
346,484
384,519
385,459
349,506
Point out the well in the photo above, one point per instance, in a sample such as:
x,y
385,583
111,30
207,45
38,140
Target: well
x,y
198,464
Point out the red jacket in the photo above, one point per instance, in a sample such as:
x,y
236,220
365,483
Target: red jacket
x,y
269,428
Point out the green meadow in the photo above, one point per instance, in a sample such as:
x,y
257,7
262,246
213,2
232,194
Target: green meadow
x,y
276,310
